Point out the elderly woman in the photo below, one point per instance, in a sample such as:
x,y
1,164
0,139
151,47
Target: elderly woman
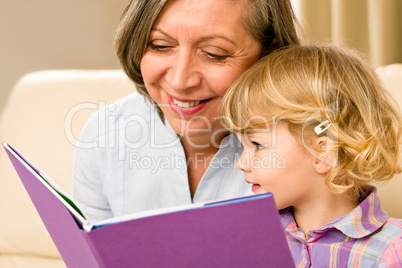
x,y
163,145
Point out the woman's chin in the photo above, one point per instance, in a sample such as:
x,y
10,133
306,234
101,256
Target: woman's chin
x,y
198,128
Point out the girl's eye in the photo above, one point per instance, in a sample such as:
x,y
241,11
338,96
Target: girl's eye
x,y
257,146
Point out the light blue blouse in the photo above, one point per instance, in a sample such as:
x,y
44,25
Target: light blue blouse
x,y
128,161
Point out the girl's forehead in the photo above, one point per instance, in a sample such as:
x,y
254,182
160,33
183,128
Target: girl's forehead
x,y
263,131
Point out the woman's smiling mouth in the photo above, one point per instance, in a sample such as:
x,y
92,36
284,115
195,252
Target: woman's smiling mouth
x,y
185,104
186,107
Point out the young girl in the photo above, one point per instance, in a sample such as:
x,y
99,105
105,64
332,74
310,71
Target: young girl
x,y
318,128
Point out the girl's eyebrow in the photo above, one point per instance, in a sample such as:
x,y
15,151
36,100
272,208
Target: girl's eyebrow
x,y
254,135
257,131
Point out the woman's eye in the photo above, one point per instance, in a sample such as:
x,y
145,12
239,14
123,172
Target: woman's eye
x,y
158,47
257,146
155,47
216,58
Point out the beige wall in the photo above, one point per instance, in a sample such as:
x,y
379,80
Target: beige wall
x,y
372,26
55,34
78,34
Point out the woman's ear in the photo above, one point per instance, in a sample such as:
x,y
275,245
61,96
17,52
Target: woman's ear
x,y
326,156
274,46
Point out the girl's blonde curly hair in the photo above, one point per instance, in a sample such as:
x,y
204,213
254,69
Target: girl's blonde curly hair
x,y
307,85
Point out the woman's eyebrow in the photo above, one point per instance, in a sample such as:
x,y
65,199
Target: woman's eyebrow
x,y
160,31
209,37
204,38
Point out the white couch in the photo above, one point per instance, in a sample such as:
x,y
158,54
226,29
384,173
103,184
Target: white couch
x,y
44,114
391,192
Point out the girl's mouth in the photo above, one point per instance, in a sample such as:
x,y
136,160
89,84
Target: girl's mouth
x,y
255,187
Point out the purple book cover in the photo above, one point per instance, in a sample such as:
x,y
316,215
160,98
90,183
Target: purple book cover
x,y
243,232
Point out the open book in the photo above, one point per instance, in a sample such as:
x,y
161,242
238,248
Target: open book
x,y
242,232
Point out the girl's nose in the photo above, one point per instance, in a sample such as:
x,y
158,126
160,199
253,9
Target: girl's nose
x,y
183,73
243,162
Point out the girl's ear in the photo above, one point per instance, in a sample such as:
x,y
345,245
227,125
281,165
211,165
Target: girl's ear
x,y
326,157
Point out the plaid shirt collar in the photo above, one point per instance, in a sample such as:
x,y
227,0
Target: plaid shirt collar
x,y
365,219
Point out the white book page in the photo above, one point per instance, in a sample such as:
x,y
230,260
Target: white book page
x,y
88,226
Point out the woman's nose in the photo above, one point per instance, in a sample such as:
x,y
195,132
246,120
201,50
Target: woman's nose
x,y
183,73
243,162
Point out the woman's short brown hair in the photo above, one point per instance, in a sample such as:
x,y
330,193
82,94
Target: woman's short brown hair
x,y
267,20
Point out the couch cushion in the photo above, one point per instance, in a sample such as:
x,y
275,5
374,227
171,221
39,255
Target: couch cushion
x,y
30,261
391,193
44,114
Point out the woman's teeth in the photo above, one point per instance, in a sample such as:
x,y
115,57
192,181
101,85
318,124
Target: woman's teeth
x,y
185,104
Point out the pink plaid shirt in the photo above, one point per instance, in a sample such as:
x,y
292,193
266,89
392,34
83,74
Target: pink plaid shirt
x,y
366,237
